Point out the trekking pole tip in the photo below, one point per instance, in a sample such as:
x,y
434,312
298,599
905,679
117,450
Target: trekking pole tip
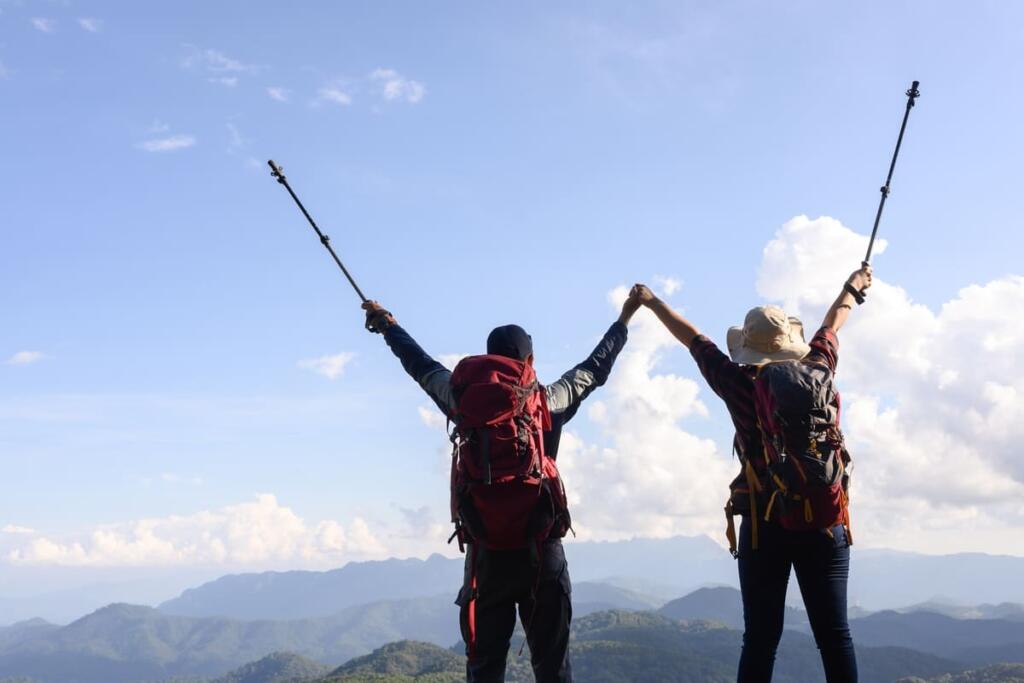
x,y
276,170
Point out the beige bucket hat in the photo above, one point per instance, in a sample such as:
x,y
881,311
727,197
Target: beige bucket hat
x,y
767,335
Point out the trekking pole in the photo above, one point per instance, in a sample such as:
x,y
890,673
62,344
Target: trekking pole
x,y
912,95
278,173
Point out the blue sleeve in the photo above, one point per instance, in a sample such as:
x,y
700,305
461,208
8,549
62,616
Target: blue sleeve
x,y
433,378
565,395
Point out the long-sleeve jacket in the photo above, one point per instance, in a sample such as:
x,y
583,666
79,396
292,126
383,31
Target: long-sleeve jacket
x,y
563,396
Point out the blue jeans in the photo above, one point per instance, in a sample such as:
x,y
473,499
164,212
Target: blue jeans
x,y
822,565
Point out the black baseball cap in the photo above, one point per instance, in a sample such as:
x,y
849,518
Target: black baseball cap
x,y
510,341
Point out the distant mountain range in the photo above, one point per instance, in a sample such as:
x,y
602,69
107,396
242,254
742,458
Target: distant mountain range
x,y
651,570
124,643
1005,610
303,594
331,617
974,641
998,673
648,569
628,647
658,569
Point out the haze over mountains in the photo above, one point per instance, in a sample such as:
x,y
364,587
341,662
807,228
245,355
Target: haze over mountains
x,y
334,616
660,568
655,568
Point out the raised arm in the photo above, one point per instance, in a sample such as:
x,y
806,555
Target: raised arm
x,y
565,395
681,328
433,378
726,378
841,307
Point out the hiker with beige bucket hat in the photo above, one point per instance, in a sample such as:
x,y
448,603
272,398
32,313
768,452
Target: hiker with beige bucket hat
x,y
792,491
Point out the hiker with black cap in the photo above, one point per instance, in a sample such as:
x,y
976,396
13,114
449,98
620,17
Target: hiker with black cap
x,y
507,500
792,491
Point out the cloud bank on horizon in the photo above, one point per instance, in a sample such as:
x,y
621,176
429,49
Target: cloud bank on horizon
x,y
932,413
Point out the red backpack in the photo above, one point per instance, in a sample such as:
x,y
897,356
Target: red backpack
x,y
802,479
506,492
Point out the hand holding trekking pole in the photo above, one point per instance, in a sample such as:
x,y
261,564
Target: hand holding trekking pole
x,y
378,318
854,287
859,281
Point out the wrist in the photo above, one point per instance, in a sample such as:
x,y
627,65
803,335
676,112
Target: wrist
x,y
850,291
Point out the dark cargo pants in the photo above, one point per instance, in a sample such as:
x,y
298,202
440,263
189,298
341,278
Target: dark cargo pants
x,y
495,583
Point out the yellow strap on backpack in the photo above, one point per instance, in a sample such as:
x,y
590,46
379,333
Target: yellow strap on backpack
x,y
771,503
730,528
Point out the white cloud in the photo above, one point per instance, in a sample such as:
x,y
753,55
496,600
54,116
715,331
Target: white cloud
x,y
4,71
213,61
255,533
432,417
44,25
667,285
932,399
25,357
420,523
168,144
90,24
331,367
235,139
17,530
279,94
429,414
334,95
217,66
806,258
393,86
648,475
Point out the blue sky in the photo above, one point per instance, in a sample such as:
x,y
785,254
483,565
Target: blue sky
x,y
475,165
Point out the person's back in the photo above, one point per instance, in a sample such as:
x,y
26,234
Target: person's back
x,y
507,429
791,491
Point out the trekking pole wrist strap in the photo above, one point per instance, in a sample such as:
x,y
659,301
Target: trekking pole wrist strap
x,y
857,295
